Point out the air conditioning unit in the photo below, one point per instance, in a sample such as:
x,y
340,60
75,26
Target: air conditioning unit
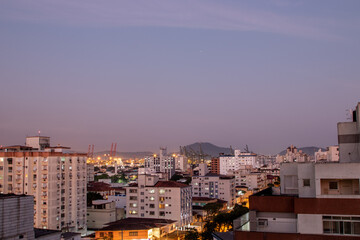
x,y
262,222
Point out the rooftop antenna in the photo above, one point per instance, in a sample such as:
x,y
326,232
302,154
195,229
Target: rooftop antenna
x,y
39,133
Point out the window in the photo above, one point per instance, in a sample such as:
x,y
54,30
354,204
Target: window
x,y
161,199
306,182
152,199
152,191
341,225
133,233
152,213
333,185
152,205
133,190
161,205
161,213
133,198
162,191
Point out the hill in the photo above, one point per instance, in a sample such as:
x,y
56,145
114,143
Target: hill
x,y
207,148
308,150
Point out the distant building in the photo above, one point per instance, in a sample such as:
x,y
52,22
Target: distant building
x,y
151,198
331,155
292,155
55,177
215,186
162,163
231,163
181,163
215,166
90,173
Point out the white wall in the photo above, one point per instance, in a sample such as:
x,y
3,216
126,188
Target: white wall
x,y
310,224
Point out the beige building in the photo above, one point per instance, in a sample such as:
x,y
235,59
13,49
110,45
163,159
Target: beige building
x,y
151,198
100,213
215,186
53,175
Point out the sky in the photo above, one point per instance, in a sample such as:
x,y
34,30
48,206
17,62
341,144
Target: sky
x,y
151,73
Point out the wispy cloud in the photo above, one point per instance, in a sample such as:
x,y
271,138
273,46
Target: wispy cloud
x,y
203,14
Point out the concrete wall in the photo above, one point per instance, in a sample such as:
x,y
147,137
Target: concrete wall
x,y
306,171
277,222
310,224
289,178
335,171
16,217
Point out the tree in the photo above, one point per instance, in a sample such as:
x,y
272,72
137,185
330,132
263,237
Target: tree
x,y
102,176
192,235
90,196
176,177
212,208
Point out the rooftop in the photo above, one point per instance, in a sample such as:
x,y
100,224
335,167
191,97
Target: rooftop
x,y
170,184
136,224
39,232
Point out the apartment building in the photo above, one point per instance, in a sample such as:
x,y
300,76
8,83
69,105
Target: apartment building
x,y
231,163
100,213
151,198
162,163
215,166
215,186
330,155
315,201
53,175
181,163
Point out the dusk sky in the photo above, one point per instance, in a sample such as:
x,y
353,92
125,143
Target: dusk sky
x,y
150,73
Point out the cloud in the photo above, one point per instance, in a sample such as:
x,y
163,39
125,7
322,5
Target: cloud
x,y
200,14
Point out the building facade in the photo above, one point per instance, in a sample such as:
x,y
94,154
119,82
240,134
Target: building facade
x,y
215,186
55,177
16,217
151,198
231,163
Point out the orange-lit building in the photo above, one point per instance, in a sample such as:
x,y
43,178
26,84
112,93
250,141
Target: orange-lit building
x,y
215,166
136,228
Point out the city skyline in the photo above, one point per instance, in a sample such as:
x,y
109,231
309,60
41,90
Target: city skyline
x,y
163,73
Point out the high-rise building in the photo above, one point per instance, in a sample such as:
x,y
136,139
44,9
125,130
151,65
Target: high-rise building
x,y
151,198
55,177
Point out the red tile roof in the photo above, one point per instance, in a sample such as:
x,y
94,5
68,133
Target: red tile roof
x,y
170,184
98,187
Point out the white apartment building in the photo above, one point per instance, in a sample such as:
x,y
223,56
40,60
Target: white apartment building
x,y
331,155
231,163
100,213
215,186
151,198
162,163
181,163
55,177
252,180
